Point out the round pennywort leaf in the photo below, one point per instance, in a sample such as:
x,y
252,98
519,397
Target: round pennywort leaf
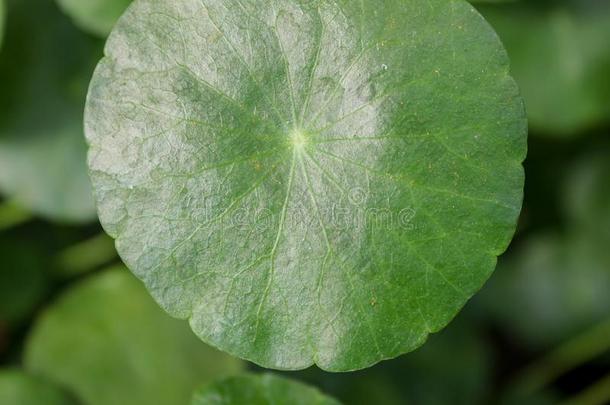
x,y
307,182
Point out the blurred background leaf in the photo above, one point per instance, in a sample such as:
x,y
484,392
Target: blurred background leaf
x,y
45,67
261,389
560,57
94,16
2,17
28,277
107,341
554,286
18,388
557,281
586,193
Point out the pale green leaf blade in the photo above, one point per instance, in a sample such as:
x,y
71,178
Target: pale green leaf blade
x,y
45,65
109,343
321,182
94,16
18,388
264,389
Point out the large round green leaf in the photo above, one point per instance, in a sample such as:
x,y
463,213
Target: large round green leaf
x,y
109,343
45,65
94,16
560,56
266,389
323,182
18,388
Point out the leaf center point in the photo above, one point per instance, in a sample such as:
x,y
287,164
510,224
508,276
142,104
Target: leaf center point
x,y
298,139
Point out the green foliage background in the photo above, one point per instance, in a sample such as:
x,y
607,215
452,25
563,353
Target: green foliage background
x,y
538,332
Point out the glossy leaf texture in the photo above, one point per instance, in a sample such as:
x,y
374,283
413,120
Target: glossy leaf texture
x,y
94,16
559,57
44,71
323,182
18,388
109,343
265,389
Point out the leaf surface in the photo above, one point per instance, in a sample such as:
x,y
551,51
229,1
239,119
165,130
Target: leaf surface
x,y
95,16
44,68
323,182
109,343
266,389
